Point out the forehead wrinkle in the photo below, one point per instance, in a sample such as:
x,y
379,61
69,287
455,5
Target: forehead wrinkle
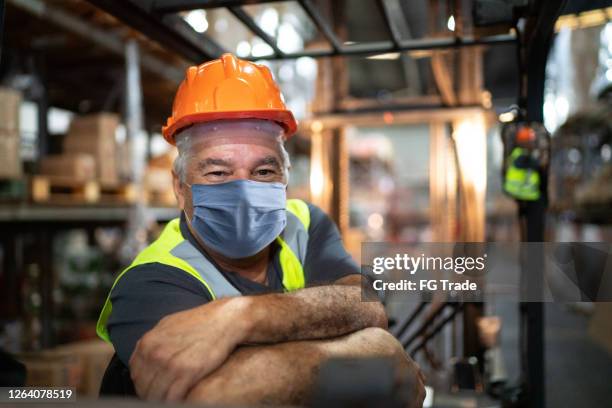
x,y
211,161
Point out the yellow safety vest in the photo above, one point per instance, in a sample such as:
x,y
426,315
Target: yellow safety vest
x,y
172,249
521,183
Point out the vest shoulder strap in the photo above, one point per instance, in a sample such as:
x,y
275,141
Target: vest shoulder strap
x,y
160,251
300,209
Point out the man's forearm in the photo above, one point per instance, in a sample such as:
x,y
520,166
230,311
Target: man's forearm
x,y
187,346
285,373
312,313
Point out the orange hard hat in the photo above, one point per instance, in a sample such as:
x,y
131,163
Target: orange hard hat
x,y
227,88
525,134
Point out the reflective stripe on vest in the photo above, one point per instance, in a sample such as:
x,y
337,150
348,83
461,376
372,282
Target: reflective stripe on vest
x,y
172,249
520,183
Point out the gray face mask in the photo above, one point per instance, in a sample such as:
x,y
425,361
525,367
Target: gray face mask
x,y
239,218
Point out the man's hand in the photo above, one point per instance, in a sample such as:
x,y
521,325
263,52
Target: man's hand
x,y
185,347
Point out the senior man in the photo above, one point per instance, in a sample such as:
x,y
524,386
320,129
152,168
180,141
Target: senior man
x,y
241,299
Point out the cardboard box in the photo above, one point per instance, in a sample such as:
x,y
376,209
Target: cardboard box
x,y
104,154
10,155
93,357
101,125
47,369
10,104
95,135
158,180
78,166
80,365
158,173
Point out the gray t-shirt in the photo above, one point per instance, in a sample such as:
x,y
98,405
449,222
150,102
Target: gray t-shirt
x,y
148,292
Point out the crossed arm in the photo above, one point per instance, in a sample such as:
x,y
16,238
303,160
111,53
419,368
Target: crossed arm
x,y
239,344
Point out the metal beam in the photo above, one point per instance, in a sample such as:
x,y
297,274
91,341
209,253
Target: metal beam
x,y
321,24
106,39
394,35
375,48
456,309
170,30
173,6
252,25
410,115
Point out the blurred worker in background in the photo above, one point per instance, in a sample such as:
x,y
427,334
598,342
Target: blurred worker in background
x,y
184,316
522,167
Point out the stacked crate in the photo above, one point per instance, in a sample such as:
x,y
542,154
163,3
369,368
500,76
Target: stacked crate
x,y
95,135
10,102
80,365
87,168
158,182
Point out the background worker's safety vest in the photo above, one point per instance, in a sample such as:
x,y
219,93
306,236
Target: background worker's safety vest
x,y
172,249
522,180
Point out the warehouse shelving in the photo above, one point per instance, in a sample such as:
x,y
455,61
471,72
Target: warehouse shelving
x,y
60,214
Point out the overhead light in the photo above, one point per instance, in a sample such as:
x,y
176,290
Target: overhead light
x,y
451,23
269,20
506,117
260,48
289,39
349,43
243,49
386,56
197,20
306,67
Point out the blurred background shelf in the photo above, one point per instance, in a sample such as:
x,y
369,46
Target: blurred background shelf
x,y
59,214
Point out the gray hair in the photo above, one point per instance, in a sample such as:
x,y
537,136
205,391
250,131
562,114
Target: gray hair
x,y
185,139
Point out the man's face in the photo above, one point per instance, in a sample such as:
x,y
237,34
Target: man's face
x,y
230,154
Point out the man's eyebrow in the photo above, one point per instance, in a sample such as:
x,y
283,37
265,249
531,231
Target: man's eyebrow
x,y
271,160
203,164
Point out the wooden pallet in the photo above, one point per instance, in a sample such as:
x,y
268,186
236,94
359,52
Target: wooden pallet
x,y
157,198
117,193
63,190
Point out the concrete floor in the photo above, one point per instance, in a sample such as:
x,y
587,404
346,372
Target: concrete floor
x,y
578,371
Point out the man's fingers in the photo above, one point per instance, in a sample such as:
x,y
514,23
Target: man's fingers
x,y
159,384
146,362
179,388
186,372
140,375
175,372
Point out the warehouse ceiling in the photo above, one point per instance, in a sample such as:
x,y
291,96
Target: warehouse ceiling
x,y
75,47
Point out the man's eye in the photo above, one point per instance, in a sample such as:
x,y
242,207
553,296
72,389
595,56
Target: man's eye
x,y
265,172
216,173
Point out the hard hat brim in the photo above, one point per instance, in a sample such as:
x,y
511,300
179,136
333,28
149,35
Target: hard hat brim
x,y
282,117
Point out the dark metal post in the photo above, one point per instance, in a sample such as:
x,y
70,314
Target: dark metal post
x,y
535,44
47,284
43,108
136,226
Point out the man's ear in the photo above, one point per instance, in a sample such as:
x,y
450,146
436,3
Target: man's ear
x,y
178,190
